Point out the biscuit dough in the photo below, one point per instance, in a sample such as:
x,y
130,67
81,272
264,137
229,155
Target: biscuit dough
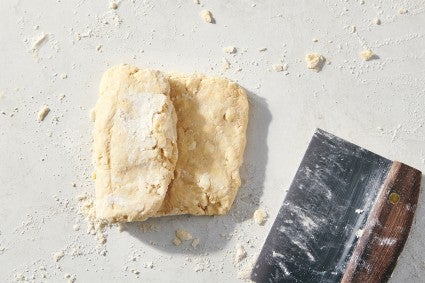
x,y
134,143
212,117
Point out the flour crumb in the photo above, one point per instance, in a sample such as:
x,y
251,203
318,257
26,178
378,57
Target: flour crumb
x,y
260,216
177,241
245,272
225,64
240,253
76,227
315,61
280,67
183,235
64,76
99,47
353,29
402,11
42,113
207,16
229,49
262,49
38,41
314,40
367,55
376,21
195,242
58,255
113,6
197,2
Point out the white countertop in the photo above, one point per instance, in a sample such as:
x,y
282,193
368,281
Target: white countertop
x,y
379,104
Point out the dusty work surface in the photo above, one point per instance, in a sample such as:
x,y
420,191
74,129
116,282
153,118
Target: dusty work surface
x,y
53,54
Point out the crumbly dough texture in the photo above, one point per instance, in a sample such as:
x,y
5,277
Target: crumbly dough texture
x,y
212,117
134,143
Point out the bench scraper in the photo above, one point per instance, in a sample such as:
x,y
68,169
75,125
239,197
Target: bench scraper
x,y
345,218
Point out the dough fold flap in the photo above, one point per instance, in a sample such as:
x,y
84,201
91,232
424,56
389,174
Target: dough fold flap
x,y
134,143
212,118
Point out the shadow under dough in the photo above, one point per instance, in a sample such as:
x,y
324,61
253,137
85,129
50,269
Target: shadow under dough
x,y
213,230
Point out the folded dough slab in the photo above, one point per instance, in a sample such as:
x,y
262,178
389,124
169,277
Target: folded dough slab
x,y
212,117
150,162
134,143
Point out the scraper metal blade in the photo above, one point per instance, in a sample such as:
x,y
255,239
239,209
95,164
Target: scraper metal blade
x,y
345,218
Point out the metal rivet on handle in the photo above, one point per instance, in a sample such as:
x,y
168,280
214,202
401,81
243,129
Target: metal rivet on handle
x,y
394,198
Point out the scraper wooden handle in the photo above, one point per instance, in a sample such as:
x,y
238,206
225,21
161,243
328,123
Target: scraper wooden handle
x,y
387,227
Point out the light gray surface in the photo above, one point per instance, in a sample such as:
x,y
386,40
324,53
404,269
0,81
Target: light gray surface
x,y
379,105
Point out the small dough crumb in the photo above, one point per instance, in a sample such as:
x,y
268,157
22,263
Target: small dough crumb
x,y
245,272
377,21
64,76
260,216
315,40
197,2
229,49
183,235
42,113
113,6
240,253
262,49
367,54
225,65
280,67
177,241
315,61
402,11
207,16
195,242
58,256
353,29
